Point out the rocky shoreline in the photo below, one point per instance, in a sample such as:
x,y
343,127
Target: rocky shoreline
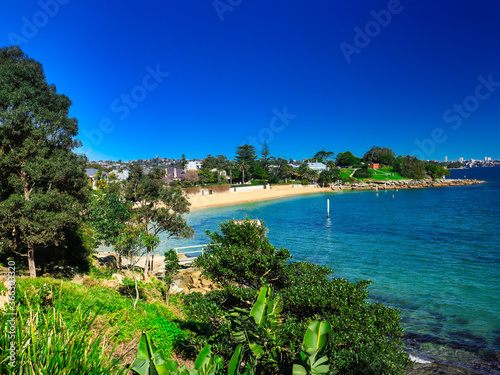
x,y
407,184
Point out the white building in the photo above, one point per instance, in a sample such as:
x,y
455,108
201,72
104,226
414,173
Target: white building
x,y
320,167
193,165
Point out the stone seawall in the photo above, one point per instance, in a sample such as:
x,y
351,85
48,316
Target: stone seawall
x,y
407,184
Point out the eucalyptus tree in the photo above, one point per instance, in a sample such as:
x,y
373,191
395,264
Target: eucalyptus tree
x,y
43,187
158,207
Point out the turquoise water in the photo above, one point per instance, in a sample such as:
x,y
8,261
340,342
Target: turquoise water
x,y
433,253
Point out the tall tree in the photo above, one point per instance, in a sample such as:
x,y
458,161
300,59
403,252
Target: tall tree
x,y
265,152
183,162
109,214
245,156
347,159
43,187
382,155
323,156
158,207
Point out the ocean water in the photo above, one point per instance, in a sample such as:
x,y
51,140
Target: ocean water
x,y
432,253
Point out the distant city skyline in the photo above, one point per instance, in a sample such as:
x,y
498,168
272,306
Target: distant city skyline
x,y
170,78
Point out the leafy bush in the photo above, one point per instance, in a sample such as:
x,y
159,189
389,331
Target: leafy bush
x,y
242,254
305,181
366,338
259,182
362,173
127,289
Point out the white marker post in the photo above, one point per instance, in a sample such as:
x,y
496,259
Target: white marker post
x,y
328,208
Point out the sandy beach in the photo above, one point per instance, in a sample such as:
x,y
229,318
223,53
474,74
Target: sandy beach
x,y
225,199
280,191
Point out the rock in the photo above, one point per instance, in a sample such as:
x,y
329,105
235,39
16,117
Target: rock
x,y
436,368
118,277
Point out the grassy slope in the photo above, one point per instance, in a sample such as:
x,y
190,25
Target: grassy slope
x,y
382,174
116,317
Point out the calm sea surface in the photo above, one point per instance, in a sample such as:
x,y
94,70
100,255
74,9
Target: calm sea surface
x,y
433,253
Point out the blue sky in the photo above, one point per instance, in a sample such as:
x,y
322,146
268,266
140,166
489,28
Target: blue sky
x,y
195,77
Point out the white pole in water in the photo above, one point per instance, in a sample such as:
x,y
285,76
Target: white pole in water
x,y
377,188
328,208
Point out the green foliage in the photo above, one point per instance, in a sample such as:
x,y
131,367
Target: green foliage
x,y
257,328
172,266
410,167
127,289
323,156
328,177
242,254
436,171
381,155
46,343
305,182
362,173
315,341
260,182
156,206
150,361
115,312
42,182
347,159
364,336
109,214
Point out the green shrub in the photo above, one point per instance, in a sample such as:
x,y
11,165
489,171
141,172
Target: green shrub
x,y
305,181
365,338
127,289
362,173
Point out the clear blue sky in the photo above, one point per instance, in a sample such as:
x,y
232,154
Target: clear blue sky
x,y
199,77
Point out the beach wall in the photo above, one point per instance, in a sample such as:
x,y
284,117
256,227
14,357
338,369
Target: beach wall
x,y
243,189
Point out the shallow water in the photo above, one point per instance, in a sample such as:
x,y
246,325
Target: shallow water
x,y
433,253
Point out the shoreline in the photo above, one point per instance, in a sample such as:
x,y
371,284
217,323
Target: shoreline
x,y
283,191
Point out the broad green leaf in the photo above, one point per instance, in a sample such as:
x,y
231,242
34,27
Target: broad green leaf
x,y
316,337
258,309
298,370
235,361
203,357
257,350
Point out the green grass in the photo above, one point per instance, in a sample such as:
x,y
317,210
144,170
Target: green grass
x,y
345,172
44,342
116,316
385,174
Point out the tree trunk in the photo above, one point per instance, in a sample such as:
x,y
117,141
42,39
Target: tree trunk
x,y
31,246
31,260
243,176
146,266
136,292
